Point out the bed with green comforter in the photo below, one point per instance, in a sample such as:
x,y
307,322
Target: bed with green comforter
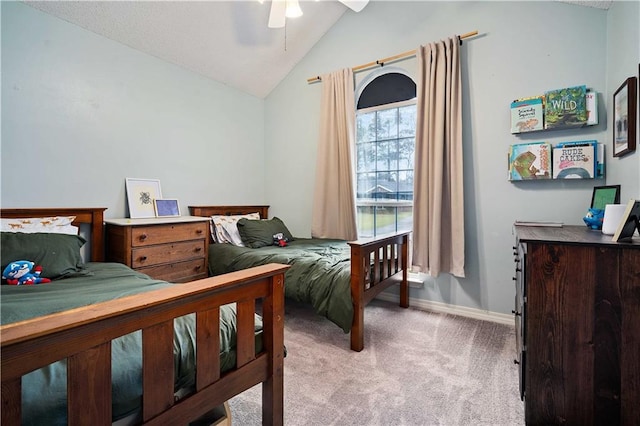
x,y
319,273
44,390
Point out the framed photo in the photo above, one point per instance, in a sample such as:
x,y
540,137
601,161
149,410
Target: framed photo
x,y
624,118
630,222
603,195
166,207
140,196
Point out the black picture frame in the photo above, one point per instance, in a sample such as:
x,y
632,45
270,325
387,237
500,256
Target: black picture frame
x,y
629,223
166,207
603,195
624,118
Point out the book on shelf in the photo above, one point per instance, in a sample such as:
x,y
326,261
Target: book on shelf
x,y
591,99
565,107
538,223
629,223
529,161
575,160
527,114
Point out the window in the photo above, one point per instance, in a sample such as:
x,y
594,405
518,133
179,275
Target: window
x,y
385,146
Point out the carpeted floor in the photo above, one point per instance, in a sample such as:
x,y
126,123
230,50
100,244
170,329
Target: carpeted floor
x,y
417,368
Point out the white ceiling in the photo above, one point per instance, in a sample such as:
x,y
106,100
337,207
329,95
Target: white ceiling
x,y
227,41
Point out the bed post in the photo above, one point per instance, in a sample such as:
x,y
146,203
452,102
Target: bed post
x,y
357,294
273,387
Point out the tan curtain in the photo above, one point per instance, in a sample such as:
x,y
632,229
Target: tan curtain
x,y
438,216
334,210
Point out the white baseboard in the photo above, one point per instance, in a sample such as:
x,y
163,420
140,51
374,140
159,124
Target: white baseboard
x,y
445,308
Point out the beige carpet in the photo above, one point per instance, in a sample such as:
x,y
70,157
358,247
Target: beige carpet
x,y
417,368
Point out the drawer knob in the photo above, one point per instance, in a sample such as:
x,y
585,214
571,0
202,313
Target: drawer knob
x,y
198,267
143,237
199,231
143,258
198,249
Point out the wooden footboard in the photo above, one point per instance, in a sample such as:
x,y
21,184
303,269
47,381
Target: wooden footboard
x,y
376,265
83,336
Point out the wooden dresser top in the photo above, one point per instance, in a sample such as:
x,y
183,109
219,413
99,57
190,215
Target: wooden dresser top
x,y
569,234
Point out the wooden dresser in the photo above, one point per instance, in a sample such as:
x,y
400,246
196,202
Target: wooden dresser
x,y
172,249
578,326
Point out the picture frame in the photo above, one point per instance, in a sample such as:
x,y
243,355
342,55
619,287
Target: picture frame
x,y
624,118
166,207
140,196
603,195
630,222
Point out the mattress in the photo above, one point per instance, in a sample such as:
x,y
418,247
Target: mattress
x,y
320,272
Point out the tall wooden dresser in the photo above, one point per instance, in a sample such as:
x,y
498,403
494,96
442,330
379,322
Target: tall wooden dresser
x,y
173,249
578,326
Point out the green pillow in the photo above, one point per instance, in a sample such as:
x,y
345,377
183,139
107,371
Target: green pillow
x,y
58,254
259,233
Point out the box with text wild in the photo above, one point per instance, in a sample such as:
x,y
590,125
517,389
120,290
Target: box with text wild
x,y
530,161
565,108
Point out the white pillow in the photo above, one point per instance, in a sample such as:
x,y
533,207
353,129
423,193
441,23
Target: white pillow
x,y
224,229
53,225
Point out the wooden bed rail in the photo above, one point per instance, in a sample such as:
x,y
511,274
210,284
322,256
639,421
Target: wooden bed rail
x,y
83,336
376,265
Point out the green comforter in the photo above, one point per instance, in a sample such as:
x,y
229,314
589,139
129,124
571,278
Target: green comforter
x,y
320,272
44,390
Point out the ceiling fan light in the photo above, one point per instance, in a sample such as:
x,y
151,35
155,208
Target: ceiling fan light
x,y
293,9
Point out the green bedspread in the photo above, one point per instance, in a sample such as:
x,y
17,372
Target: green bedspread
x,y
320,272
44,390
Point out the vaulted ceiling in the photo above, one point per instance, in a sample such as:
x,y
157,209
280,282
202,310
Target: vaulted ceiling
x,y
227,41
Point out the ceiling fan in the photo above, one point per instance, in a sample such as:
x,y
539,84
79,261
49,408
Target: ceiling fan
x,y
282,9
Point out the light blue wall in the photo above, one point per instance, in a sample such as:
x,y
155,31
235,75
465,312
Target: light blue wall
x,y
80,113
623,59
523,49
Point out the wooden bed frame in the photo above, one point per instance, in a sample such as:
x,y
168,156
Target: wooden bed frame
x,y
387,256
84,335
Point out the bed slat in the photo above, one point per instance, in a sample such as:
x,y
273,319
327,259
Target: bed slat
x,y
157,369
11,413
88,374
245,351
208,342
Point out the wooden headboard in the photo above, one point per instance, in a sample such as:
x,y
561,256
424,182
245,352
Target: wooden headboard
x,y
207,211
92,216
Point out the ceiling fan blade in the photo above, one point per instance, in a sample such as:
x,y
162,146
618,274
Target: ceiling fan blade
x,y
276,15
355,5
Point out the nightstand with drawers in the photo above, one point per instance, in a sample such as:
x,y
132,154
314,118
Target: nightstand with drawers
x,y
172,249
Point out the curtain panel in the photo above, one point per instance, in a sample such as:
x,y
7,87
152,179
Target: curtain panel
x,y
334,209
438,215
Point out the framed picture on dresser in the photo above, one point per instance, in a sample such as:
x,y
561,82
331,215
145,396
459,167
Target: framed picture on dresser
x,y
140,196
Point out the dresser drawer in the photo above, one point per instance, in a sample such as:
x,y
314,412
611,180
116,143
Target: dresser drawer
x,y
159,234
167,253
178,272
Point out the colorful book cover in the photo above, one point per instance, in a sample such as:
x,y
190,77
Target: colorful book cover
x,y
528,161
575,160
565,107
592,108
527,115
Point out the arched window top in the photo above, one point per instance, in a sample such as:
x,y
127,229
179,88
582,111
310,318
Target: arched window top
x,y
386,88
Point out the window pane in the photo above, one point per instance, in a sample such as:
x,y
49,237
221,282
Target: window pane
x,y
366,154
366,185
385,220
405,218
366,127
406,151
365,221
387,125
407,121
